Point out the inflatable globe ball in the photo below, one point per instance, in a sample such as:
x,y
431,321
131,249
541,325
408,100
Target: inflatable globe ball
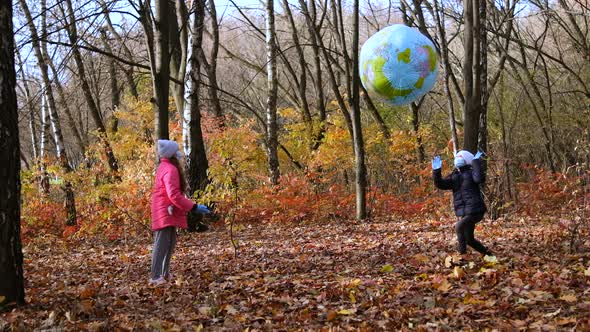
x,y
398,65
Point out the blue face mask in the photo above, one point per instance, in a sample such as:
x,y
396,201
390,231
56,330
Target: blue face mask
x,y
459,162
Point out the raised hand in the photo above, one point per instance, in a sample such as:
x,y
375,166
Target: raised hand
x,y
436,163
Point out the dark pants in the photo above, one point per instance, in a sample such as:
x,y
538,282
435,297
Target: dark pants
x,y
465,229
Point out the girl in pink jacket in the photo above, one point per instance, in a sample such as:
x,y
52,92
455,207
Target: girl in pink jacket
x,y
169,209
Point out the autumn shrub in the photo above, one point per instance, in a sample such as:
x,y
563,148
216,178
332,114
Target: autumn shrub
x,y
551,193
41,216
120,208
105,206
317,182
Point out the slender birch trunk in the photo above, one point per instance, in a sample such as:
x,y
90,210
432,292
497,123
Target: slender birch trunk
x,y
271,102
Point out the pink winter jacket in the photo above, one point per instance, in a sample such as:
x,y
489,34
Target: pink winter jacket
x,y
167,196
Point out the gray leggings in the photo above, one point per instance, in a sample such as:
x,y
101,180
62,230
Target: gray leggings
x,y
164,244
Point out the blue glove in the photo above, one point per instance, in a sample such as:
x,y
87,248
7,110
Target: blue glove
x,y
478,155
436,163
200,208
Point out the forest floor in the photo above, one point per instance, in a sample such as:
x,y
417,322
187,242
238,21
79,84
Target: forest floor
x,y
338,275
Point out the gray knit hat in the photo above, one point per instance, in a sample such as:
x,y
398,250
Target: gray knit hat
x,y
167,149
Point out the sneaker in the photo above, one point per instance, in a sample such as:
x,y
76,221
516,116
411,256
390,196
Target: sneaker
x,y
169,277
157,282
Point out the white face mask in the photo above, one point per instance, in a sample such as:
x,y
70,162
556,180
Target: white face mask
x,y
459,162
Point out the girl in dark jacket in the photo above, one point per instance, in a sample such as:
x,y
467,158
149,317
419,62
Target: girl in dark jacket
x,y
467,198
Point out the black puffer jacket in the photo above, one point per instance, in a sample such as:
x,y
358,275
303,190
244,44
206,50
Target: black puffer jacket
x,y
464,182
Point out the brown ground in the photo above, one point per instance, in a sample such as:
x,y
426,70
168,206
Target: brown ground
x,y
378,275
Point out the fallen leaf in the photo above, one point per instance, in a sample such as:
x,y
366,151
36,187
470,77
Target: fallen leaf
x,y
540,295
205,310
443,286
552,314
458,272
387,268
517,282
587,272
231,310
449,261
347,312
352,297
50,321
96,326
86,307
568,298
421,258
179,280
88,292
422,276
429,302
490,259
566,321
354,283
331,315
469,299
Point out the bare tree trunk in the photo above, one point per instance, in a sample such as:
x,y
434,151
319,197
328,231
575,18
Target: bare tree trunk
x,y
341,34
179,31
447,71
578,37
375,113
483,79
156,38
114,84
127,71
328,61
359,144
547,144
197,164
11,257
318,80
62,156
415,108
271,103
77,135
505,145
472,107
302,75
44,176
30,108
212,67
161,67
92,106
80,140
32,128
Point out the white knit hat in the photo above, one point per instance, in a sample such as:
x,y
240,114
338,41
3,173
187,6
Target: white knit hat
x,y
466,155
167,149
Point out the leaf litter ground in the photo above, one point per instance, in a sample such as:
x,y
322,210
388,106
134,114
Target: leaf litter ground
x,y
376,275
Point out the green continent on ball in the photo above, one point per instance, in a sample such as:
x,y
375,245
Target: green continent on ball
x,y
431,57
404,56
381,83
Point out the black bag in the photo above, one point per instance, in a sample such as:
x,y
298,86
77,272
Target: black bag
x,y
196,222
